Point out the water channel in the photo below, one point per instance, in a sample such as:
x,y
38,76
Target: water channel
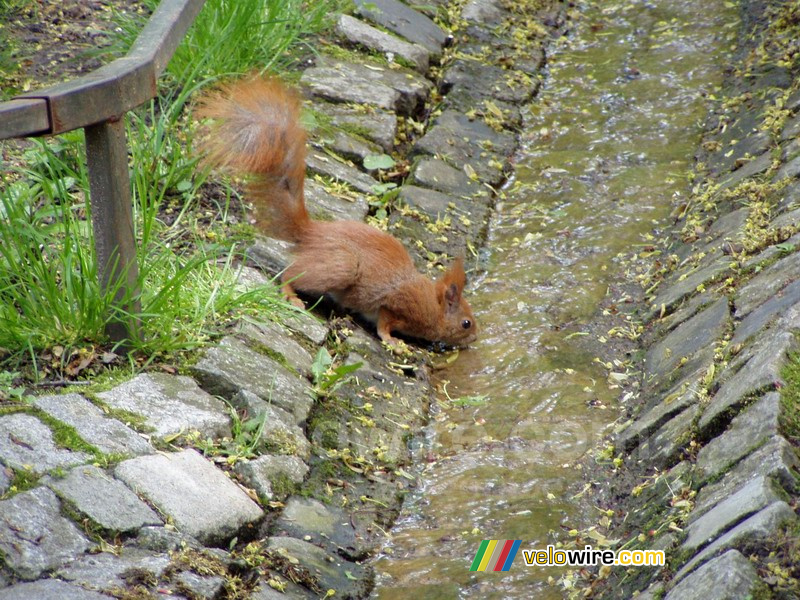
x,y
607,146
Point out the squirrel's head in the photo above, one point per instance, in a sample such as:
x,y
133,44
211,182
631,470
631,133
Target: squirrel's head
x,y
458,327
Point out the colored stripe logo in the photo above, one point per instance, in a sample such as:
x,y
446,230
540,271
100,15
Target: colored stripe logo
x,y
495,555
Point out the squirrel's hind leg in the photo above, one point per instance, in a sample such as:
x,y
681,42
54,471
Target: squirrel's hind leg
x,y
291,296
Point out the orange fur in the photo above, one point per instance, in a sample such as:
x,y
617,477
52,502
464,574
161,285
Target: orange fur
x,y
257,132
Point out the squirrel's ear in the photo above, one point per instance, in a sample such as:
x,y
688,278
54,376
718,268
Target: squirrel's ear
x,y
455,275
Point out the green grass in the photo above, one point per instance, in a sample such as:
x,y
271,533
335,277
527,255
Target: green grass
x,y
189,241
238,36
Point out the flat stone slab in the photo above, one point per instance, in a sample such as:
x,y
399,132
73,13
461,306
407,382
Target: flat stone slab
x,y
106,501
776,459
748,431
429,202
402,91
358,32
331,569
481,81
762,372
327,526
327,207
766,284
201,500
758,165
682,343
751,498
770,310
662,449
399,18
350,146
269,255
105,571
724,578
27,444
231,366
270,335
307,326
34,537
676,400
673,291
49,589
106,434
377,125
329,166
171,405
260,473
438,175
756,529
459,141
790,170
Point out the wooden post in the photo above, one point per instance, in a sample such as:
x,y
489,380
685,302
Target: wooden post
x,y
112,218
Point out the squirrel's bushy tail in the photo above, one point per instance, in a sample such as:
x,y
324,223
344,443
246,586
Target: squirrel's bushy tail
x,y
256,131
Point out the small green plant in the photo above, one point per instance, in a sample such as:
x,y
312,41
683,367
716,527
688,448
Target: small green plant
x,y
328,379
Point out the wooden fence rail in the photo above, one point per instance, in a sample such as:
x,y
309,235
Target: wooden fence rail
x,y
98,102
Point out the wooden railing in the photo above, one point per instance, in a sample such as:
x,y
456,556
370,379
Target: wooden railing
x,y
97,102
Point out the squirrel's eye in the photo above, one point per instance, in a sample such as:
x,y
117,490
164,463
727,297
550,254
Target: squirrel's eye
x,y
466,323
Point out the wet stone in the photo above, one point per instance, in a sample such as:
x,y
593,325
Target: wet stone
x,y
686,340
106,570
461,99
105,500
34,537
329,166
790,170
749,499
728,576
437,174
675,291
292,592
762,316
748,431
231,366
430,202
766,284
402,91
488,12
349,579
27,444
269,255
379,126
49,589
776,459
676,400
406,22
792,129
171,405
270,335
752,168
326,526
260,473
199,498
762,372
456,139
358,32
756,529
106,434
663,448
481,81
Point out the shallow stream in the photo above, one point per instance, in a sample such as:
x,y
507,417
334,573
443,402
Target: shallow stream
x,y
607,146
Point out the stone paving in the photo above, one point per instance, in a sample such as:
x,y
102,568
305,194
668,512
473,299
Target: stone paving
x,y
715,424
130,492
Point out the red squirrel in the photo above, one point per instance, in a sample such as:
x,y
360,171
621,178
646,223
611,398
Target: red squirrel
x,y
256,131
